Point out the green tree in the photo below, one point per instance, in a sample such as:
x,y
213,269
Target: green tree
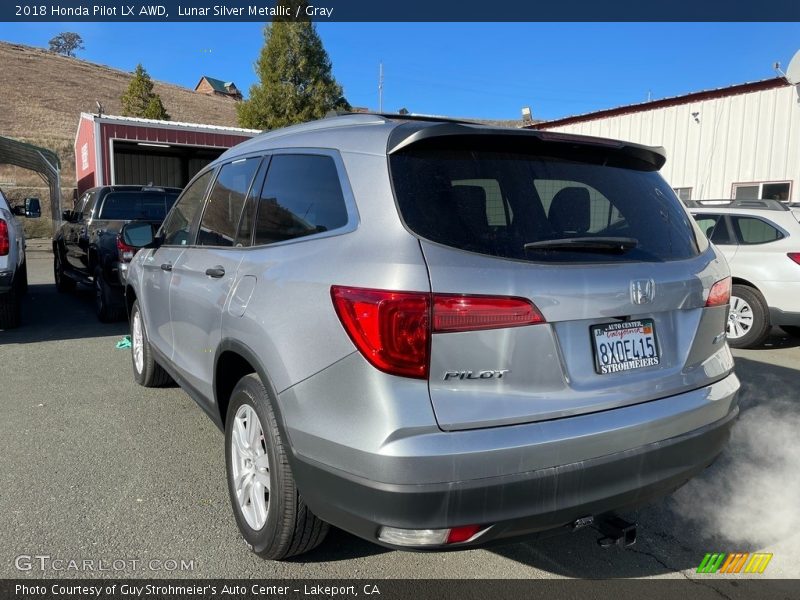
x,y
295,80
140,100
66,43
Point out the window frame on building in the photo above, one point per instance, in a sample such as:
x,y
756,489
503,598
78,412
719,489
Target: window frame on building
x,y
679,190
760,185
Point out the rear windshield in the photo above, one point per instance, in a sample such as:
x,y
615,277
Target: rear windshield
x,y
497,203
147,206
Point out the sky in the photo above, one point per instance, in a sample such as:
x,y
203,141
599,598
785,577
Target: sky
x,y
478,70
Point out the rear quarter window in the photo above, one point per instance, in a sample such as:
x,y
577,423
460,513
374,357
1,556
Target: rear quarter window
x,y
496,203
302,195
752,230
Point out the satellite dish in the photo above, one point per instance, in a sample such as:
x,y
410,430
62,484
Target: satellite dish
x,y
793,70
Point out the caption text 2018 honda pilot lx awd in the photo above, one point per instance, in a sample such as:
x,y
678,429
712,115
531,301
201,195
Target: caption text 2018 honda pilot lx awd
x,y
434,334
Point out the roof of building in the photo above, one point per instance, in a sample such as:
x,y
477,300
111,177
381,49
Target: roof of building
x,y
223,87
142,122
733,90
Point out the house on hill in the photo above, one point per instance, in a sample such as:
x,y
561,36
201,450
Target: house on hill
x,y
211,86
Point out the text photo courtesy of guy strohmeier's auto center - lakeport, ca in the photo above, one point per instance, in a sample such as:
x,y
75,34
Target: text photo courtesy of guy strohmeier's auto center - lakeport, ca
x,y
316,305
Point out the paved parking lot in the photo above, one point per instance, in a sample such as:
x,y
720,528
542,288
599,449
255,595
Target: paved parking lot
x,y
94,467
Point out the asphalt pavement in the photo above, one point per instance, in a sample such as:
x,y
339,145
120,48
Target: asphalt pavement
x,y
95,468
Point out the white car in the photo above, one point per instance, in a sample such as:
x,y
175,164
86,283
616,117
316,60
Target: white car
x,y
761,240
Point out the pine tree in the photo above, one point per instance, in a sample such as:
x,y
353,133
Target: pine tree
x,y
140,100
295,80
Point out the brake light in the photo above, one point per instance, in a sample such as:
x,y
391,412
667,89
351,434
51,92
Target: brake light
x,y
125,251
795,256
471,313
393,329
720,293
5,244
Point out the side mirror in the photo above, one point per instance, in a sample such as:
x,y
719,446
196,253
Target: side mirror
x,y
140,234
68,215
33,208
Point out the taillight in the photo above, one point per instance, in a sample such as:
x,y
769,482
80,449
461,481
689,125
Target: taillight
x,y
720,293
471,313
795,256
125,251
393,329
5,244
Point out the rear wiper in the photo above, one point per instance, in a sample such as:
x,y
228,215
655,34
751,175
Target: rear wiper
x,y
586,244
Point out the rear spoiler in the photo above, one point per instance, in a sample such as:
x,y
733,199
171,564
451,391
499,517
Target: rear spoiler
x,y
461,135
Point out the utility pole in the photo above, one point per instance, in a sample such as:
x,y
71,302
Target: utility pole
x,y
380,88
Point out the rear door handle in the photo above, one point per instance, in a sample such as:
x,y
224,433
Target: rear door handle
x,y
215,272
166,267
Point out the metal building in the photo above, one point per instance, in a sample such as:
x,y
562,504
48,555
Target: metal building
x,y
741,141
128,150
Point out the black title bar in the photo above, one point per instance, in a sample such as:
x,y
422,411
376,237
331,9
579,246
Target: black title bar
x,y
404,11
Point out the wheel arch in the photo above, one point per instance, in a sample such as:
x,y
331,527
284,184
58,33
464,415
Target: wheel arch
x,y
742,281
233,361
130,298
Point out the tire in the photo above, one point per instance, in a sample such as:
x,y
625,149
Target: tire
x,y
748,321
63,282
11,307
23,275
792,330
106,310
146,371
285,526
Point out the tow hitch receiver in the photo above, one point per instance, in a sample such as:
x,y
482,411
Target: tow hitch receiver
x,y
616,531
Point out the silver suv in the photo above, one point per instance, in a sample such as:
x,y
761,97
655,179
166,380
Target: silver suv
x,y
434,334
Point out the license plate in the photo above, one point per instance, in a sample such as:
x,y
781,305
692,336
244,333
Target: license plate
x,y
624,346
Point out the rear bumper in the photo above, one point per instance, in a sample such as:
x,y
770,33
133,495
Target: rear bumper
x,y
515,505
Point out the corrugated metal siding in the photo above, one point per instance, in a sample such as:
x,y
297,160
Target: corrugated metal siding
x,y
136,169
752,137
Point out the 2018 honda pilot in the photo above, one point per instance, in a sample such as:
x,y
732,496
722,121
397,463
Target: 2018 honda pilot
x,y
435,334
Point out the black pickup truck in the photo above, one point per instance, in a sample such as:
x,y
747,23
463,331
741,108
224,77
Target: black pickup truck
x,y
87,247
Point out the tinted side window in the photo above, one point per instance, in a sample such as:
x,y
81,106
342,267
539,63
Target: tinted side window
x,y
750,230
301,196
177,224
716,229
224,206
88,208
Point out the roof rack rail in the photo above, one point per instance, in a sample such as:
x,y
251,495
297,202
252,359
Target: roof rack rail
x,y
402,117
762,203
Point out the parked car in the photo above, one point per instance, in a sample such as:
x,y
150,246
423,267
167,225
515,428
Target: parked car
x,y
13,266
437,335
87,247
761,241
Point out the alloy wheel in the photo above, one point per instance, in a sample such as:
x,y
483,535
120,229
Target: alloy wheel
x,y
137,342
740,318
250,467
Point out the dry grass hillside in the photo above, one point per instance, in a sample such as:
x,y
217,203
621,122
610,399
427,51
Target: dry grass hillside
x,y
43,95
